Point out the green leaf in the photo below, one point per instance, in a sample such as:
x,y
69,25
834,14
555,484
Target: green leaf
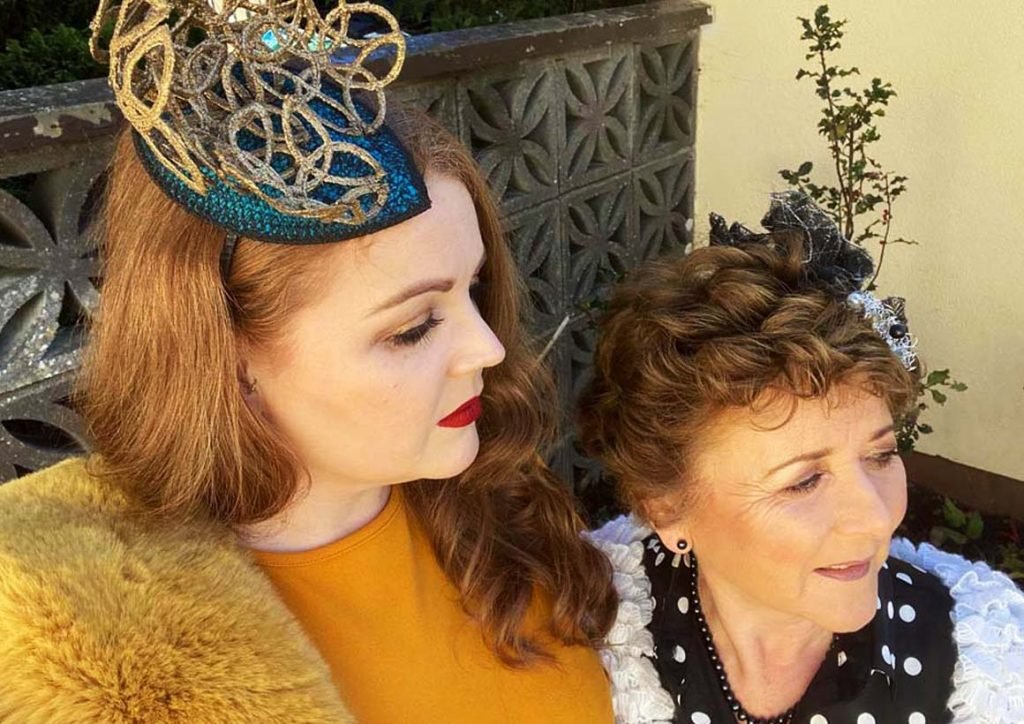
x,y
937,377
951,513
975,526
938,397
805,168
940,534
956,536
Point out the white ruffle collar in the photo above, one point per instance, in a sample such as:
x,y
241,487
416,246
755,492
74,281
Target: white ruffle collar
x,y
637,694
988,628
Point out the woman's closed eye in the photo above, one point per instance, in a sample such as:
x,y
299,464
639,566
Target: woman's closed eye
x,y
884,459
806,485
416,334
878,461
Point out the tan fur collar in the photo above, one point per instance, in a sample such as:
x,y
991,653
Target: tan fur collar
x,y
104,618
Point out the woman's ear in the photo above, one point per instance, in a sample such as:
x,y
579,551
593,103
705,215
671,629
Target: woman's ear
x,y
675,538
672,528
664,516
248,385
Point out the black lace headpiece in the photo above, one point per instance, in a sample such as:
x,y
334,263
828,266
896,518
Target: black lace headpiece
x,y
830,259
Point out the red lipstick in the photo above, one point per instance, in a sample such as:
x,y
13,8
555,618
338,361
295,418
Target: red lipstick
x,y
467,414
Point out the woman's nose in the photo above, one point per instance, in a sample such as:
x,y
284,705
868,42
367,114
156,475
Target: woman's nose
x,y
865,508
479,347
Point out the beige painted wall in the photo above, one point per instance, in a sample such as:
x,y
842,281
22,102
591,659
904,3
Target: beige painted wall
x,y
956,129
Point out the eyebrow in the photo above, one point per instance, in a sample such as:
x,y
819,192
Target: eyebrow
x,y
818,454
422,287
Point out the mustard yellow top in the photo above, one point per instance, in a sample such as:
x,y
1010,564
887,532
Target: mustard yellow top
x,y
401,649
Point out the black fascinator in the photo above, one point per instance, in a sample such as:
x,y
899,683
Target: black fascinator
x,y
829,256
830,260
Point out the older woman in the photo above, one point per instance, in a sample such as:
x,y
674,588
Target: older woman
x,y
746,398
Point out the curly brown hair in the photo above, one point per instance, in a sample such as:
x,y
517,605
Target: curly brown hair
x,y
160,392
685,339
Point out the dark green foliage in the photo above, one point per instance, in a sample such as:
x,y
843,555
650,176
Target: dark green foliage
x,y
995,539
46,41
19,17
911,428
57,55
958,526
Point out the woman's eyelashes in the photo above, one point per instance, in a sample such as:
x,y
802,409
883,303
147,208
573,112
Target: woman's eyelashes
x,y
416,334
419,333
884,459
879,461
806,485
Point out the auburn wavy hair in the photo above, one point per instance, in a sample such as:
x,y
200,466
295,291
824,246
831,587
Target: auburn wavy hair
x,y
686,339
160,392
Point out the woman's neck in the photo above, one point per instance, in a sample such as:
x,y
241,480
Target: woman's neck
x,y
770,657
322,515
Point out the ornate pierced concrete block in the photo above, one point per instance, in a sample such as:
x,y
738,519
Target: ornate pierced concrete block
x,y
512,119
666,78
600,228
600,112
663,193
38,427
534,236
47,267
437,100
572,368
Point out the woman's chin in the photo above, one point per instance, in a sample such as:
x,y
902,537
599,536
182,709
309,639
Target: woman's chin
x,y
458,456
853,614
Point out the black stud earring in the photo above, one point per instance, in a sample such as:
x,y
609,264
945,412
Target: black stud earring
x,y
683,545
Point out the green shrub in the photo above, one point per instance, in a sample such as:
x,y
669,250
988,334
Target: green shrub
x,y
19,17
56,55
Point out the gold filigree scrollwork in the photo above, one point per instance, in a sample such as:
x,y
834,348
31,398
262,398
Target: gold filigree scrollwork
x,y
200,79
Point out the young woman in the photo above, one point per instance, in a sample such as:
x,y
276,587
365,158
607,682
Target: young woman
x,y
746,399
316,493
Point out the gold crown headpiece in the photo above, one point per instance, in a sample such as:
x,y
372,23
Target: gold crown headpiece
x,y
268,97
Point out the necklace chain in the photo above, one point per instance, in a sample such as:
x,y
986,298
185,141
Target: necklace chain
x,y
741,714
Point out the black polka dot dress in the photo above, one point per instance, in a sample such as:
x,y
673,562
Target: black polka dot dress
x,y
896,670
